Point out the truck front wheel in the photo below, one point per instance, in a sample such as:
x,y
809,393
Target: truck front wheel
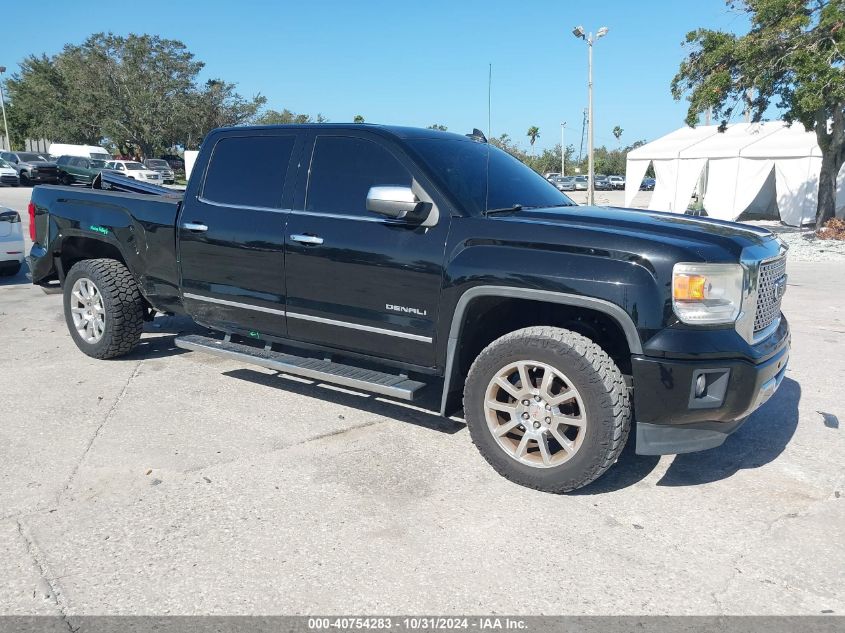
x,y
547,408
104,309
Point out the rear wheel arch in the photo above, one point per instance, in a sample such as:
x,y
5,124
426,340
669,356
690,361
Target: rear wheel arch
x,y
602,321
74,249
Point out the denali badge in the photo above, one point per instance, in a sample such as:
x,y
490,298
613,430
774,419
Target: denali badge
x,y
416,311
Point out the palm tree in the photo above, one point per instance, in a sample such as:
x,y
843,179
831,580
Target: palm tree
x,y
617,132
533,135
358,119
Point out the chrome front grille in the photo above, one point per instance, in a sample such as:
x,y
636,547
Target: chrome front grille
x,y
770,287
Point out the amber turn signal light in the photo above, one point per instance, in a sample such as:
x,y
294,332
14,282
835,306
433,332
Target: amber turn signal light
x,y
689,287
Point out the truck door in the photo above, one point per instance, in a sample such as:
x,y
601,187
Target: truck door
x,y
231,233
356,280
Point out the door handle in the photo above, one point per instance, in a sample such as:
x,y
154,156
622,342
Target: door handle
x,y
306,239
195,226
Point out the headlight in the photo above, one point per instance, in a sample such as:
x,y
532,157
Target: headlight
x,y
707,293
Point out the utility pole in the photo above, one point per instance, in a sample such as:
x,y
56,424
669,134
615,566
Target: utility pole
x,y
562,149
3,105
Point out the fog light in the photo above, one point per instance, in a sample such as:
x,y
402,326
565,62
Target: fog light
x,y
700,385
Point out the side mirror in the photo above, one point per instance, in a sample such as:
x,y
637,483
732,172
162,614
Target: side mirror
x,y
397,202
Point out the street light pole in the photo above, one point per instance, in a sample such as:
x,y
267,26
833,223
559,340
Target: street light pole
x,y
578,32
562,149
3,106
591,189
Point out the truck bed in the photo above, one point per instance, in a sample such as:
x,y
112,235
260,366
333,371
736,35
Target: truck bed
x,y
141,228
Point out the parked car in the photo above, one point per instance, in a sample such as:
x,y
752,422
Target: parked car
x,y
82,151
11,242
177,163
564,183
398,260
135,170
616,182
551,175
32,167
647,184
75,169
581,183
161,166
602,183
8,174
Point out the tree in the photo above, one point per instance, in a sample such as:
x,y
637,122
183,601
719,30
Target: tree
x,y
274,117
358,119
792,57
617,132
214,105
533,134
437,126
138,91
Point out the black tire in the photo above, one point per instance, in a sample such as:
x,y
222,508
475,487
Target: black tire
x,y
10,270
598,381
65,180
122,302
24,179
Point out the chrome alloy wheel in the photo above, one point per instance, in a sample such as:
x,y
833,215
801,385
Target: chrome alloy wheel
x,y
86,308
535,414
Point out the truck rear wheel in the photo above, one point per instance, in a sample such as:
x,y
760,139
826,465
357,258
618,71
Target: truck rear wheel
x,y
547,408
104,309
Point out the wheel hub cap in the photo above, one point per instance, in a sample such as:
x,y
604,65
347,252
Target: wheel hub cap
x,y
87,311
535,414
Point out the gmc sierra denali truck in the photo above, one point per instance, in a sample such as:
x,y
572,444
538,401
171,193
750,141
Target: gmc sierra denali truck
x,y
395,260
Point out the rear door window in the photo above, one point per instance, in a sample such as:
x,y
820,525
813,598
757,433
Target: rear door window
x,y
343,168
249,171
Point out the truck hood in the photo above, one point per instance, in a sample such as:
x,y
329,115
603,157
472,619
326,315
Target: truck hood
x,y
706,238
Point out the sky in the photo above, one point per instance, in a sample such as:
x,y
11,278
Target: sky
x,y
417,63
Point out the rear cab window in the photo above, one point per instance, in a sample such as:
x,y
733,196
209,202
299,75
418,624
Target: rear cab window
x,y
248,171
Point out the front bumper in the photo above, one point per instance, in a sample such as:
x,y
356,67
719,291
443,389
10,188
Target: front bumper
x,y
671,418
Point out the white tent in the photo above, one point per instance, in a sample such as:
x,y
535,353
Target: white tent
x,y
760,167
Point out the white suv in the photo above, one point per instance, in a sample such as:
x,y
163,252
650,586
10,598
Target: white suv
x,y
135,170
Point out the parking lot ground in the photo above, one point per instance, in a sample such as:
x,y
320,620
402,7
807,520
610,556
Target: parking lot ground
x,y
170,482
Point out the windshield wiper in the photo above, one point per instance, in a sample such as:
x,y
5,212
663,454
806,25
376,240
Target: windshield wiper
x,y
511,209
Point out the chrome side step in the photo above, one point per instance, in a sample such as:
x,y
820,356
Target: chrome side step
x,y
315,368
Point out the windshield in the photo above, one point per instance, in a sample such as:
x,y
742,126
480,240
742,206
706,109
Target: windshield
x,y
100,156
154,162
97,164
134,166
29,156
3,163
461,167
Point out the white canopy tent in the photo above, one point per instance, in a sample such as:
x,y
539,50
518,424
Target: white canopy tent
x,y
768,168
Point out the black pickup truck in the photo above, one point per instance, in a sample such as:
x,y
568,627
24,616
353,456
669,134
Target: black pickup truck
x,y
397,260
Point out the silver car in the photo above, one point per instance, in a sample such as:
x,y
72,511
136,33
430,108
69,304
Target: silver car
x,y
564,183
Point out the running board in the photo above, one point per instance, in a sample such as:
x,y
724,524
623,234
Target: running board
x,y
315,368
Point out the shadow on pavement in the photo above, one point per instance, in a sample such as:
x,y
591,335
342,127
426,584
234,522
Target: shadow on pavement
x,y
167,328
628,470
759,441
370,403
